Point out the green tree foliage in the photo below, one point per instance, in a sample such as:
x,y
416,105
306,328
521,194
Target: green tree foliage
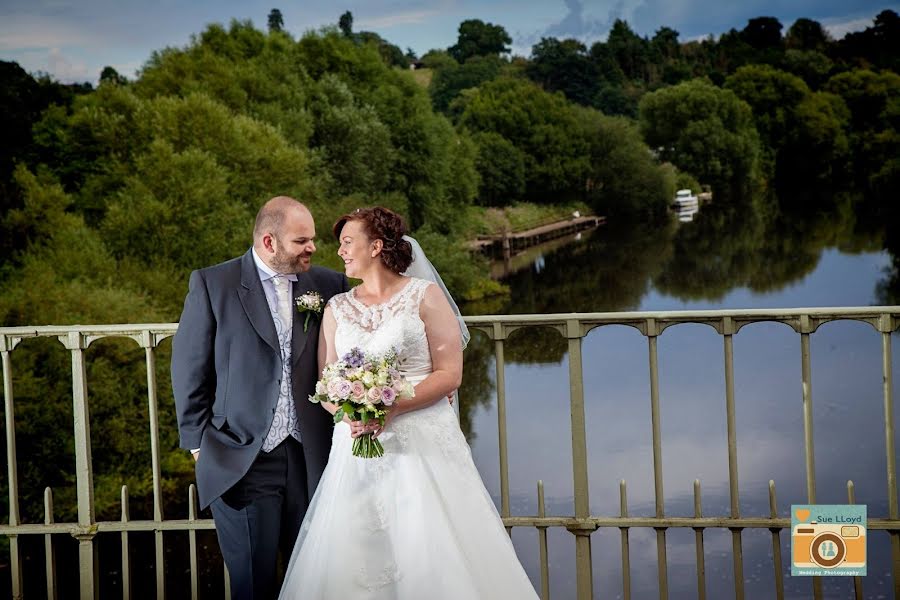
x,y
704,130
567,151
763,33
773,96
812,66
806,34
391,54
666,57
564,66
350,139
345,24
452,78
629,50
23,99
501,167
477,38
110,76
624,178
543,126
874,122
875,46
276,21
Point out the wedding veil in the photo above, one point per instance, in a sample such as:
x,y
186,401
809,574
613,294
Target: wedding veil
x,y
422,268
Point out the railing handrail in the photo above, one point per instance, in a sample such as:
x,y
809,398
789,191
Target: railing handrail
x,y
756,314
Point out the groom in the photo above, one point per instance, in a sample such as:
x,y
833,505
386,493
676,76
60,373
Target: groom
x,y
243,365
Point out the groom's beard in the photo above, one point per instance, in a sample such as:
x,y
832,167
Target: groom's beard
x,y
288,263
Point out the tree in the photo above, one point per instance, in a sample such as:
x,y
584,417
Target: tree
x,y
501,167
810,65
704,130
276,21
763,33
873,100
564,66
806,34
624,178
351,140
543,126
665,43
877,45
477,38
773,96
449,81
345,24
111,76
629,50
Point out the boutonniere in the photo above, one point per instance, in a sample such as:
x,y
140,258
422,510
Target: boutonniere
x,y
309,303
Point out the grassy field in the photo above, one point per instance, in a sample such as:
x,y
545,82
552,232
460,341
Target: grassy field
x,y
423,77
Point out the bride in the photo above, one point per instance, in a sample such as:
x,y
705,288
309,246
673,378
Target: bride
x,y
417,522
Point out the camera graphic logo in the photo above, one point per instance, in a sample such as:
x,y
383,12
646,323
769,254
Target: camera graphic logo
x,y
828,539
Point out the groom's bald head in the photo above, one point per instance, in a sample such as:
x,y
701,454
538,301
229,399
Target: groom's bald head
x,y
284,235
272,216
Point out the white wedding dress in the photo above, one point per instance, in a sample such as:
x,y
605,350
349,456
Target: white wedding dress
x,y
416,523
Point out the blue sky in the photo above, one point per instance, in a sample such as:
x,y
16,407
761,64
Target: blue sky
x,y
73,39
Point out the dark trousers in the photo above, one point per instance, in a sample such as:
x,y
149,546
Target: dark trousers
x,y
260,514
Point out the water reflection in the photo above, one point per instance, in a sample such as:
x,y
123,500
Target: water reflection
x,y
738,257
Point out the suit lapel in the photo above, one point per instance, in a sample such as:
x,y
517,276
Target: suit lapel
x,y
299,338
253,299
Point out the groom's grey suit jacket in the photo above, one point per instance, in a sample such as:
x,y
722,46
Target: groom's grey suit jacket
x,y
226,372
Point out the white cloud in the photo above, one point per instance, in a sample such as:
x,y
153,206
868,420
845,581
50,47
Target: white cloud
x,y
66,69
838,29
388,21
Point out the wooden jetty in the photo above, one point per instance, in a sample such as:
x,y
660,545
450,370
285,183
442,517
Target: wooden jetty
x,y
507,244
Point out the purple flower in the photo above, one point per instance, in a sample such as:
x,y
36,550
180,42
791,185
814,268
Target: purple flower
x,y
387,396
354,358
343,389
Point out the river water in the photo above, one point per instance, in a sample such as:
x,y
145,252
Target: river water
x,y
722,260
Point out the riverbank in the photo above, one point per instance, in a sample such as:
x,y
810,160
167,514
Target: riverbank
x,y
509,243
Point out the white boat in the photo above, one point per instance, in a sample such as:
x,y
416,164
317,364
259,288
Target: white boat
x,y
686,205
685,199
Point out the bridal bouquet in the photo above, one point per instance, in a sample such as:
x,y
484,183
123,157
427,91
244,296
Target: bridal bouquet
x,y
363,386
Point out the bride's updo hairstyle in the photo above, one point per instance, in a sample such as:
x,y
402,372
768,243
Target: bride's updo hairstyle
x,y
383,224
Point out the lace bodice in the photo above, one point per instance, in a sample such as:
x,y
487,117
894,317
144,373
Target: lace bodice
x,y
379,327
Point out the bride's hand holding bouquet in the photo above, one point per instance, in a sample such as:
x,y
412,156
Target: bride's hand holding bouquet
x,y
363,387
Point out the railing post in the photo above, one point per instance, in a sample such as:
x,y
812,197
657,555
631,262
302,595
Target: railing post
x,y
498,334
542,545
806,328
626,552
885,326
652,329
126,547
6,346
49,552
87,552
737,550
148,343
584,574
